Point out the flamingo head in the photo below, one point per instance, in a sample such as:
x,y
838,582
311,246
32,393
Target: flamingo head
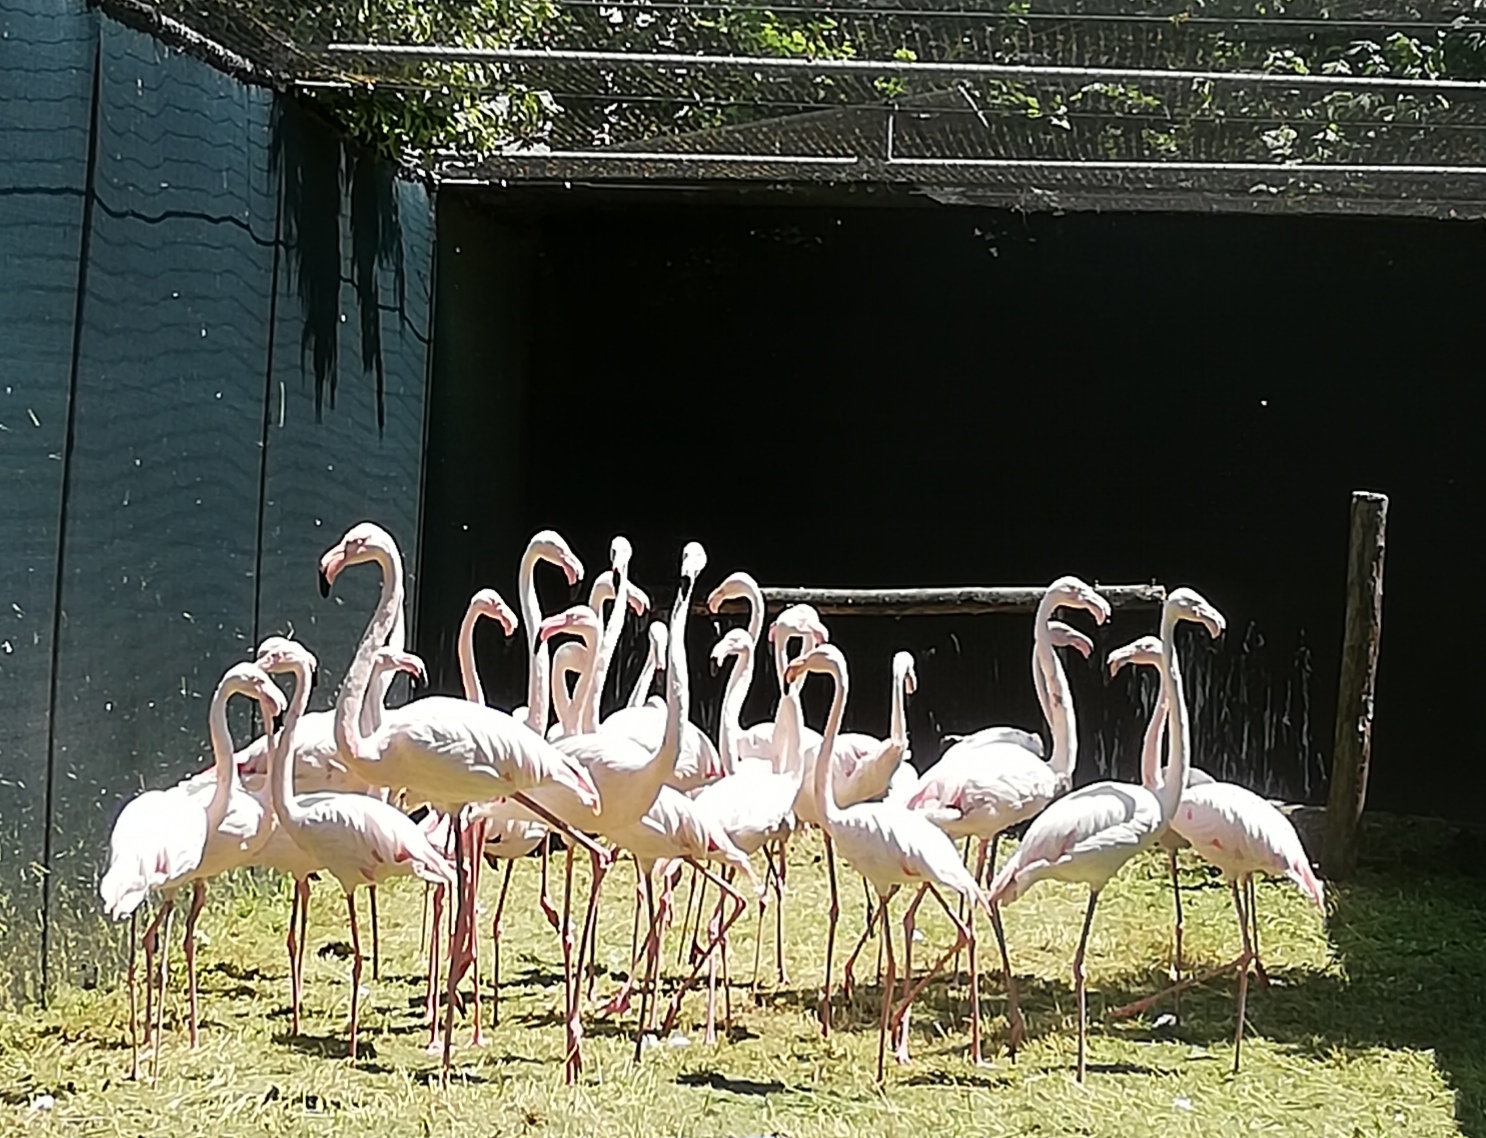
x,y
1072,593
1188,604
1146,650
737,586
1065,636
621,552
580,619
408,662
825,658
280,654
906,671
550,546
365,541
489,603
252,681
802,621
693,561
734,642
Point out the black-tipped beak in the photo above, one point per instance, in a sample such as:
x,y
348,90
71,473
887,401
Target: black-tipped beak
x,y
324,584
278,721
712,663
314,678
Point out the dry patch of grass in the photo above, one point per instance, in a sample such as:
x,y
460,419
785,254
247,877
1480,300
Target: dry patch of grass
x,y
1375,1023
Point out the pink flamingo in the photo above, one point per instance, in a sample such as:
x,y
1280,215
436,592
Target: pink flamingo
x,y
545,545
655,658
1088,835
890,846
164,839
357,839
449,752
1235,830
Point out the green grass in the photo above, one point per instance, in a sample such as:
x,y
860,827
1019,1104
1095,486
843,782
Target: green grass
x,y
1374,1025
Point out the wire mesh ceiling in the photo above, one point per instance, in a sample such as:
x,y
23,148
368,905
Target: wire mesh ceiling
x,y
1368,106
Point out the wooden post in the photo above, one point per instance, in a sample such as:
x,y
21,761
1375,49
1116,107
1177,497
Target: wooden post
x,y
1354,695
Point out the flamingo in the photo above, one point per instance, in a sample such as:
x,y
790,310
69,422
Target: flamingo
x,y
549,546
355,838
450,752
890,846
1237,831
754,804
1088,835
164,839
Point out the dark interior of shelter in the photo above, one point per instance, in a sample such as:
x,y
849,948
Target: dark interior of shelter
x,y
869,392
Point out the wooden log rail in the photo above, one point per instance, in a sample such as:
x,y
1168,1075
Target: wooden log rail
x,y
953,601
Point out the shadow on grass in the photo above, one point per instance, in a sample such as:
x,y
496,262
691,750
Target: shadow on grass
x,y
720,1082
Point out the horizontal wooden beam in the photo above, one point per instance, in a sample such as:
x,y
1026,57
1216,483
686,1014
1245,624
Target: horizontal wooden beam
x,y
958,601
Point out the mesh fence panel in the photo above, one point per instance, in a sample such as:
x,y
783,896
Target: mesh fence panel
x,y
1323,107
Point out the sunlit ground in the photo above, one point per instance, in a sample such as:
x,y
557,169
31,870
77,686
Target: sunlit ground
x,y
1375,1023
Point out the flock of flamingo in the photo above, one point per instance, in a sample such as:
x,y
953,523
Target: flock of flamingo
x,y
316,794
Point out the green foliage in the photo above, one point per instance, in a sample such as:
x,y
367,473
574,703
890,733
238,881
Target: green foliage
x,y
426,110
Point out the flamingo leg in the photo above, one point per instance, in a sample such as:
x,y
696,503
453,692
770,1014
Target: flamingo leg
x,y
598,868
355,970
133,998
1259,973
198,898
569,980
960,906
649,949
1243,973
634,936
889,982
475,832
495,930
1078,983
975,1056
779,911
758,939
544,897
1176,960
899,1023
832,914
848,979
691,898
164,979
457,939
741,904
375,931
433,967
304,937
291,943
1014,1023
148,942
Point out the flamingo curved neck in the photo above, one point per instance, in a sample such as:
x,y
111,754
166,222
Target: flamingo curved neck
x,y
222,762
583,695
281,753
608,642
381,681
469,674
1053,693
755,598
349,737
538,671
646,678
678,695
1150,752
898,725
732,707
825,794
1178,732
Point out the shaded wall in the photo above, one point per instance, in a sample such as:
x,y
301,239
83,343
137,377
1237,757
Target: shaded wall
x,y
921,396
222,322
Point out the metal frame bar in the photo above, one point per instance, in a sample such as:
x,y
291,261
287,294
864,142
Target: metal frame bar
x,y
888,66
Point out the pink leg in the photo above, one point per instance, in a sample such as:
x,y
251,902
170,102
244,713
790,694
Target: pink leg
x,y
495,931
1078,984
434,940
198,898
299,896
1176,966
832,914
355,970
1253,904
1015,1027
133,1000
848,977
598,868
963,936
164,980
779,912
651,950
889,982
740,904
375,931
149,942
1243,974
458,942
